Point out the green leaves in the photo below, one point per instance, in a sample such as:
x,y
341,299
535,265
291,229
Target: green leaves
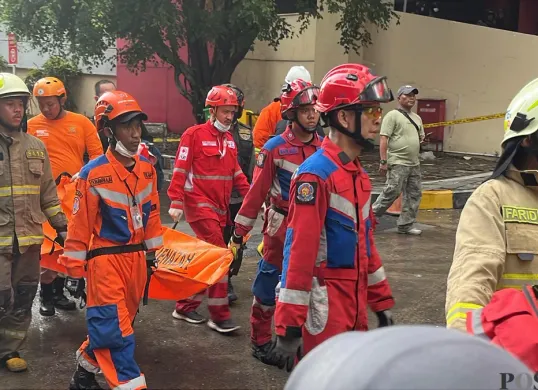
x,y
203,40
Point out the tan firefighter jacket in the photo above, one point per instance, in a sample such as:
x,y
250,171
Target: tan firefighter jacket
x,y
27,192
496,244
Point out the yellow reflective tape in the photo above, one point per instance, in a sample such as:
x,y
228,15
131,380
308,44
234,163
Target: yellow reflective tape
x,y
503,286
520,214
52,211
456,316
520,276
6,241
5,191
30,240
20,190
465,120
462,305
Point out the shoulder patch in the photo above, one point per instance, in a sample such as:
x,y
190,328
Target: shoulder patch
x,y
148,175
245,134
76,205
306,192
520,215
260,160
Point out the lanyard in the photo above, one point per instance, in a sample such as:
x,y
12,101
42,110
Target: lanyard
x,y
131,192
225,144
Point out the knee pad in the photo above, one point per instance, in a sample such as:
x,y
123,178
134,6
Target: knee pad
x,y
104,327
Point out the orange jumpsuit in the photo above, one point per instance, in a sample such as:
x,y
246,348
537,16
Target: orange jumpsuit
x,y
120,208
266,123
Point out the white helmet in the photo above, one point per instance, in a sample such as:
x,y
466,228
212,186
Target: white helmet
x,y
522,115
297,72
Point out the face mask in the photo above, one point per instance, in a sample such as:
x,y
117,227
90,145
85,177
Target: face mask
x,y
220,127
123,150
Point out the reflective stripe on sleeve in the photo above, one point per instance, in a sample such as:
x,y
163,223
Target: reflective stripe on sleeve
x,y
154,242
377,277
459,310
52,211
242,220
79,255
294,297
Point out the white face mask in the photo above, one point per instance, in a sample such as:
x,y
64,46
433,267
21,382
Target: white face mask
x,y
121,149
220,127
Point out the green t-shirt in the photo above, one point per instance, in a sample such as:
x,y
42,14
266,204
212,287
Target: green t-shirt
x,y
404,141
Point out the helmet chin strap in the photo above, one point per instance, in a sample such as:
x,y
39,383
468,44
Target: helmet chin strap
x,y
367,145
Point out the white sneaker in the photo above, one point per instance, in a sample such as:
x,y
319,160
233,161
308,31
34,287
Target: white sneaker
x,y
411,232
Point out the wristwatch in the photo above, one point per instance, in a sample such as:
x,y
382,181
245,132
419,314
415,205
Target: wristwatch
x,y
382,162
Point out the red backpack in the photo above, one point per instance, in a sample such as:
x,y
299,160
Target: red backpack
x,y
510,320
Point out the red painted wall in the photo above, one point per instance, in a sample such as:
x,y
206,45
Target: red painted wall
x,y
157,94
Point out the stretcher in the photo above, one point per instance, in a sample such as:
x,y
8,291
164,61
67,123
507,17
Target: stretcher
x,y
186,265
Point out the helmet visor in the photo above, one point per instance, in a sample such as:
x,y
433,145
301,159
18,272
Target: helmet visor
x,y
377,90
306,96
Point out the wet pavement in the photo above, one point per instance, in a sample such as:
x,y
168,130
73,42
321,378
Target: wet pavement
x,y
176,355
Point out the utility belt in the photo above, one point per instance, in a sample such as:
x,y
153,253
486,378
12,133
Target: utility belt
x,y
279,210
116,250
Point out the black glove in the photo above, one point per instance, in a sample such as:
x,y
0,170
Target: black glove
x,y
385,318
283,352
77,289
60,238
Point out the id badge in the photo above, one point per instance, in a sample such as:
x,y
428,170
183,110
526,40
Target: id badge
x,y
136,217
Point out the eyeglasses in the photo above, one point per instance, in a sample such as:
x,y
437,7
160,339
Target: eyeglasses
x,y
373,112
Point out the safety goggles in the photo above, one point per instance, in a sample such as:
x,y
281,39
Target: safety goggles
x,y
377,90
306,96
373,112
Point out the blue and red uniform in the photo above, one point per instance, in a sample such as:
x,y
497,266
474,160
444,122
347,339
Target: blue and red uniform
x,y
332,270
276,162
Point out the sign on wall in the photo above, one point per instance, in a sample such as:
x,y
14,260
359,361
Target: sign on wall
x,y
13,52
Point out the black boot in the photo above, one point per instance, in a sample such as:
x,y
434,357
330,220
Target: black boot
x,y
232,296
83,379
60,300
47,300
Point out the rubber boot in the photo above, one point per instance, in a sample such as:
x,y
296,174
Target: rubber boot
x,y
13,362
47,300
232,296
60,300
83,379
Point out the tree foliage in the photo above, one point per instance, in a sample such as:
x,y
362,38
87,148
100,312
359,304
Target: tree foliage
x,y
4,66
65,70
203,40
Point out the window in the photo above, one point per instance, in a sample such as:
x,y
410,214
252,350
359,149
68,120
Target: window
x,y
294,6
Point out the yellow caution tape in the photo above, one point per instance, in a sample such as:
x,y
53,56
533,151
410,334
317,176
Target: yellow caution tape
x,y
465,120
426,126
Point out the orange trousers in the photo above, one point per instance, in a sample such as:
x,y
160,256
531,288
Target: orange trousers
x,y
115,288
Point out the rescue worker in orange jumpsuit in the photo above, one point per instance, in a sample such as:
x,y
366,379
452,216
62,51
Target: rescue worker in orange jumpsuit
x,y
332,271
28,198
265,126
117,204
205,172
276,163
67,136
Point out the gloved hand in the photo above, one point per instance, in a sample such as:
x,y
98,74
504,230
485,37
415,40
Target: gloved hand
x,y
75,286
236,246
283,352
60,238
74,177
235,243
175,214
385,318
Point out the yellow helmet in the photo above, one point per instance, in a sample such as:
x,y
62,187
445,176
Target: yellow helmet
x,y
12,86
521,117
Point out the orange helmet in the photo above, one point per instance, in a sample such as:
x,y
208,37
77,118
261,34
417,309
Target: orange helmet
x,y
49,86
116,106
221,95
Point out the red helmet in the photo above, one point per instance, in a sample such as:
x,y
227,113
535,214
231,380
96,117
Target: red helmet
x,y
351,84
221,95
116,105
297,93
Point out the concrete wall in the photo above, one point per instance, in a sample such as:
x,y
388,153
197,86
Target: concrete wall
x,y
477,69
